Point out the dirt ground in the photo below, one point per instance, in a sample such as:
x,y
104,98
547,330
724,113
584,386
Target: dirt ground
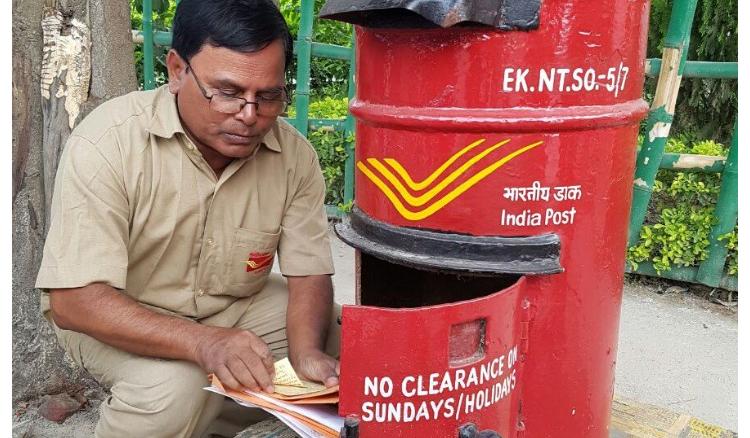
x,y
677,350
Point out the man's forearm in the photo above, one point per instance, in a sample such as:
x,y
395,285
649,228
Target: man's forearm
x,y
308,313
113,318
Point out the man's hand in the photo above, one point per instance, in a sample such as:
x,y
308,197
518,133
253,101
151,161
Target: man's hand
x,y
239,358
308,315
318,367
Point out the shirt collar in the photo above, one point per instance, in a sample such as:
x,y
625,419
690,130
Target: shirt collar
x,y
165,121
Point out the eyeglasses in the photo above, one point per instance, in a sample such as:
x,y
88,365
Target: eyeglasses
x,y
269,104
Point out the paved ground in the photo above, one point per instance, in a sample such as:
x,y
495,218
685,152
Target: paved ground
x,y
676,350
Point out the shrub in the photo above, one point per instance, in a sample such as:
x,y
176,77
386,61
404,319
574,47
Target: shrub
x,y
330,145
681,214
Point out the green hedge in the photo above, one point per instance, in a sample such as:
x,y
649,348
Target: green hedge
x,y
681,213
330,145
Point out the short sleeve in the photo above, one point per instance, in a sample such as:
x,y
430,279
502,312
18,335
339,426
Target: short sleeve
x,y
304,247
88,234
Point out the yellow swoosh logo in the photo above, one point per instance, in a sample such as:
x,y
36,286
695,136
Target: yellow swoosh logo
x,y
439,171
447,198
418,201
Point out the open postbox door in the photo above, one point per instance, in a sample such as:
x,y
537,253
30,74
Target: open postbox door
x,y
439,338
426,371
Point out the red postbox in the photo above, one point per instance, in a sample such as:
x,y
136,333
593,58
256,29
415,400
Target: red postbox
x,y
496,145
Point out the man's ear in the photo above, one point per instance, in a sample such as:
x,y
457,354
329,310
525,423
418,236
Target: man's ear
x,y
177,71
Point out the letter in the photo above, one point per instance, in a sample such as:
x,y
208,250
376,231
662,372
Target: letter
x,y
386,387
420,386
506,386
546,80
381,412
447,384
499,372
473,380
589,80
423,412
436,408
507,79
577,80
481,398
512,356
572,214
544,193
574,192
485,372
371,386
394,412
513,380
521,80
468,403
549,216
409,412
522,218
450,409
493,369
560,193
511,219
460,376
404,391
367,409
536,220
434,383
533,191
510,193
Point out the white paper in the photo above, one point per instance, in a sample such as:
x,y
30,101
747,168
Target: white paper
x,y
326,415
323,414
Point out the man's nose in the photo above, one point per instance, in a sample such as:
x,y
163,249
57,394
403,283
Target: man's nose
x,y
248,114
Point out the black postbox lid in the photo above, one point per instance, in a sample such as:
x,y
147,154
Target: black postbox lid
x,y
501,14
450,252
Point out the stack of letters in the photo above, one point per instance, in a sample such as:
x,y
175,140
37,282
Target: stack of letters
x,y
306,407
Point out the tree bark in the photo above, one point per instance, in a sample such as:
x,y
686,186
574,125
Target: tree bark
x,y
85,59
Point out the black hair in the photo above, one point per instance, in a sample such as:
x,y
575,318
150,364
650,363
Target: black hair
x,y
241,25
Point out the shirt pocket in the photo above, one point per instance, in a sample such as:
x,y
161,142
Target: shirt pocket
x,y
250,260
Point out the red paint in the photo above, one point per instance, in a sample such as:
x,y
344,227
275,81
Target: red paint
x,y
409,347
423,96
257,261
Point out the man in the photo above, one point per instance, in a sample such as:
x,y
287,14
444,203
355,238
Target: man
x,y
169,207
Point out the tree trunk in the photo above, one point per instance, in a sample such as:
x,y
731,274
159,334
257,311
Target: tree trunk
x,y
66,61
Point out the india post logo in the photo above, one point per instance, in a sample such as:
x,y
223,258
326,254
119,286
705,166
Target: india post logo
x,y
419,200
257,261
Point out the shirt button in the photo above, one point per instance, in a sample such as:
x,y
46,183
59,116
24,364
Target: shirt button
x,y
210,242
201,292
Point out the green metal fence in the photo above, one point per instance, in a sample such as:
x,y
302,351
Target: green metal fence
x,y
670,69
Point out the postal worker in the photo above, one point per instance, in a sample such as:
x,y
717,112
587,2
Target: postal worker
x,y
169,208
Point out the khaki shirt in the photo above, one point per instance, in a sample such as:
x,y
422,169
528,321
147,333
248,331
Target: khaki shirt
x,y
137,207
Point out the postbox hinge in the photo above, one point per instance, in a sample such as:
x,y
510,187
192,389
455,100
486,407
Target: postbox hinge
x,y
524,326
524,345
